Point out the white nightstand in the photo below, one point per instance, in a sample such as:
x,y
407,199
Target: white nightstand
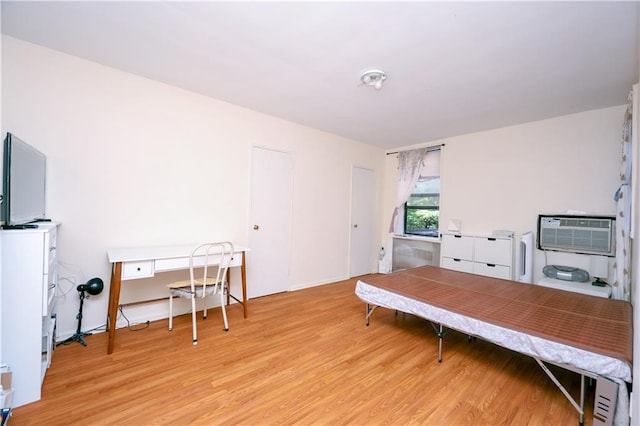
x,y
576,287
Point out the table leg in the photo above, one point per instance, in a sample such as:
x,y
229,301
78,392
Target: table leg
x,y
114,299
243,273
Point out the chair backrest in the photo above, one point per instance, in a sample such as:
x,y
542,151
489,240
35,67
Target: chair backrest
x,y
210,255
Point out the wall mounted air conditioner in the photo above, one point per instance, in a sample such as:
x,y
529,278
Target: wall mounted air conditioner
x,y
577,234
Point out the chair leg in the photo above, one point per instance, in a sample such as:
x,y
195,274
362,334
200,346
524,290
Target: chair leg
x,y
193,320
224,311
170,312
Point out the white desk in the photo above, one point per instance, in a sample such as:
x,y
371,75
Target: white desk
x,y
145,262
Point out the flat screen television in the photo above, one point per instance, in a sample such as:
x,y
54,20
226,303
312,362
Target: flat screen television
x,y
24,184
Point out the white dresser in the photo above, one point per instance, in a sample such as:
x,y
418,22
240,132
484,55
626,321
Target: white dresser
x,y
29,279
478,254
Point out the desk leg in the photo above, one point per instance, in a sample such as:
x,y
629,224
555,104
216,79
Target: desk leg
x,y
114,299
228,286
243,272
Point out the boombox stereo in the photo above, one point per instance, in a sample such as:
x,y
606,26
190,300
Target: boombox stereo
x,y
566,273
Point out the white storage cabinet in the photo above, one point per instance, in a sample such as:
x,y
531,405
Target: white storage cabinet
x,y
29,280
482,255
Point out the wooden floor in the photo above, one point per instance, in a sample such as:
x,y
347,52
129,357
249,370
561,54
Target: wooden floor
x,y
303,357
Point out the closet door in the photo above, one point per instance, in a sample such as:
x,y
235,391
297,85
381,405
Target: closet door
x,y
362,222
268,262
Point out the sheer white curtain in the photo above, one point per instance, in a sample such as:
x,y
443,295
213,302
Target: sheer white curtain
x,y
621,285
411,165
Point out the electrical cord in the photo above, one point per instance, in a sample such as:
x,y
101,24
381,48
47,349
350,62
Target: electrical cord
x,y
62,293
130,326
98,328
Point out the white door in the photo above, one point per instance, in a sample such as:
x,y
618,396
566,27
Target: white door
x,y
362,226
269,222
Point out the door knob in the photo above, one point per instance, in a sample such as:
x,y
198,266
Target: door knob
x,y
256,227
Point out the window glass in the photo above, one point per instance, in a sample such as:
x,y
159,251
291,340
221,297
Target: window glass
x,y
422,209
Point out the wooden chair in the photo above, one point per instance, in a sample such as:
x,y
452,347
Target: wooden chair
x,y
203,259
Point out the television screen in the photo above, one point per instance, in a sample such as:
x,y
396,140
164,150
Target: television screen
x,y
24,177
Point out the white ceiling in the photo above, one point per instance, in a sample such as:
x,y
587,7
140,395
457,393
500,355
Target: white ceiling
x,y
453,68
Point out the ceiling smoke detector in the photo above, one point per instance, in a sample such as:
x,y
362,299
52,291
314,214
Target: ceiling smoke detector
x,y
373,78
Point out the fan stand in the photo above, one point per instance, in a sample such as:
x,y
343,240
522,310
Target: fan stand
x,y
79,335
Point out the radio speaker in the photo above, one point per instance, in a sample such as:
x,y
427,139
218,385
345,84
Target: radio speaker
x,y
566,273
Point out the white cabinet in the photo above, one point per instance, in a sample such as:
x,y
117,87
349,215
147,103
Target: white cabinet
x,y
483,255
29,280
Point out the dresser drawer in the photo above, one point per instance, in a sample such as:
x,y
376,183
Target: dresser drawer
x,y
457,264
493,250
457,246
50,250
492,270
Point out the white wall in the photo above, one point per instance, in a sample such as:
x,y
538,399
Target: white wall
x,y
502,179
133,162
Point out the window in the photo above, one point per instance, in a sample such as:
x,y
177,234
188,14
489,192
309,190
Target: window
x,y
417,211
422,209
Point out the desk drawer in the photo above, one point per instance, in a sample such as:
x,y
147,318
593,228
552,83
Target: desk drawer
x,y
236,260
177,264
134,270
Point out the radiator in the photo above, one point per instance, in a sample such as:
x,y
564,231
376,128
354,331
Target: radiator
x,y
411,253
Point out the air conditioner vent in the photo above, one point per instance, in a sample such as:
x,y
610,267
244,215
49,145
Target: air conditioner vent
x,y
577,234
585,223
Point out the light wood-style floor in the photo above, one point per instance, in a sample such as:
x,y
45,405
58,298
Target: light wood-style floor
x,y
303,357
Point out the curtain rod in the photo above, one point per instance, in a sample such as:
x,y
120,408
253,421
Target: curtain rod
x,y
429,148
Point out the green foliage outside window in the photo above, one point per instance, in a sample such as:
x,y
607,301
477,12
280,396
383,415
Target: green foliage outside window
x,y
422,219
